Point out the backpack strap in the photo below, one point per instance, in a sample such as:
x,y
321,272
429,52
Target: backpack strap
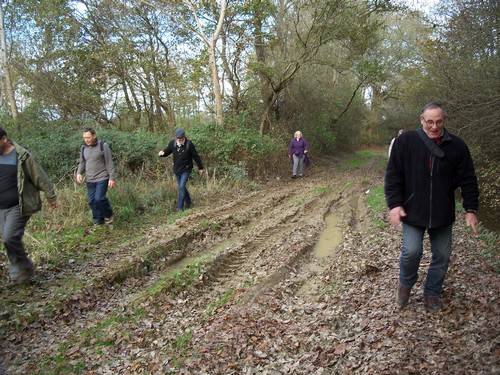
x,y
101,146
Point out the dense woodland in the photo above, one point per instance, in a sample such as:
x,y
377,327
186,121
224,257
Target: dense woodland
x,y
242,75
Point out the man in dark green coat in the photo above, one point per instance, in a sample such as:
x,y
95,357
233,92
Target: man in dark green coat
x,y
21,180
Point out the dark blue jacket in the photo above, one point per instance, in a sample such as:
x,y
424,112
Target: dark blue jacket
x,y
424,185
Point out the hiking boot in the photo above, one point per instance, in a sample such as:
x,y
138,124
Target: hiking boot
x,y
23,278
109,222
433,303
294,176
402,295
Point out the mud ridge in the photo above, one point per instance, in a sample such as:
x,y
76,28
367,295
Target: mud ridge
x,y
256,248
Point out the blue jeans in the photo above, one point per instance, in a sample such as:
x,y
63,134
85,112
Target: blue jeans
x,y
98,202
298,165
12,227
184,197
411,254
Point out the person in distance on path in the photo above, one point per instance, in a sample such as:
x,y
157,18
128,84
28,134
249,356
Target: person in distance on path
x,y
400,131
298,150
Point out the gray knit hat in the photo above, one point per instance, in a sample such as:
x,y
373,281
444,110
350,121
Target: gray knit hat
x,y
180,133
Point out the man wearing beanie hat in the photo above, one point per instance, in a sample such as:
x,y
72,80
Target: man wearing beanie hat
x,y
184,152
180,133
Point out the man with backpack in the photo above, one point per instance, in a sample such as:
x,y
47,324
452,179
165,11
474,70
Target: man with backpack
x,y
96,162
184,152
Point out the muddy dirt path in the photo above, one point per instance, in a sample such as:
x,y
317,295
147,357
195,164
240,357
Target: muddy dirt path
x,y
238,288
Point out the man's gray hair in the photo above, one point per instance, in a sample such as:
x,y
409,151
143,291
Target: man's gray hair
x,y
434,105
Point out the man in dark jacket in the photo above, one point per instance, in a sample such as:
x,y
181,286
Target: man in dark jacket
x,y
425,168
184,152
21,180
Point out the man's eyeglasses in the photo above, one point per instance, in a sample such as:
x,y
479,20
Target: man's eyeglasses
x,y
432,123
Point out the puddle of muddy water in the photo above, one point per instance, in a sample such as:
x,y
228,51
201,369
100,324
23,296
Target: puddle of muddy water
x,y
208,253
330,238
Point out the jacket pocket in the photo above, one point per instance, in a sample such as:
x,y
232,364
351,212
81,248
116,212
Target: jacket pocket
x,y
31,201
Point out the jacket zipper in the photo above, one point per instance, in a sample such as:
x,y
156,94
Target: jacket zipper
x,y
430,197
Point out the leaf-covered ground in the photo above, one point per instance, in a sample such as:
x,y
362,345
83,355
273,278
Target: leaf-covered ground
x,y
238,288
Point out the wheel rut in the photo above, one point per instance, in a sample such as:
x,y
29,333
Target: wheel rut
x,y
251,243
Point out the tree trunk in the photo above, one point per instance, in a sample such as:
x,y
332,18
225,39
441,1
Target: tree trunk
x,y
232,75
212,56
217,91
9,91
264,83
265,121
135,112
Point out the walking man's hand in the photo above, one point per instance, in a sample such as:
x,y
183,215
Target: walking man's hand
x,y
472,221
396,214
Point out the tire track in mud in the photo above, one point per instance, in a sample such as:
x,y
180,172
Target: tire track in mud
x,y
260,236
285,240
265,239
165,246
269,232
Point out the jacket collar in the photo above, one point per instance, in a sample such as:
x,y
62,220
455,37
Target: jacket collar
x,y
21,151
446,136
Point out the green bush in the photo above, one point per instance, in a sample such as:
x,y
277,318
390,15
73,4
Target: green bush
x,y
133,152
57,147
238,153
